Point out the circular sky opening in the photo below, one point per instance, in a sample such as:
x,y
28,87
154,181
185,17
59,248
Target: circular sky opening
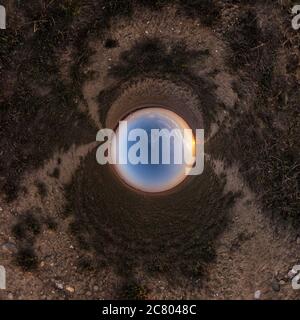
x,y
153,176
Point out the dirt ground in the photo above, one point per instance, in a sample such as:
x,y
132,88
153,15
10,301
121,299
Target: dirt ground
x,y
69,229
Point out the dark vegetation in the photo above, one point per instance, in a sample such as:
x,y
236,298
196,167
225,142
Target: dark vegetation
x,y
110,43
55,173
150,57
265,140
50,223
27,258
39,114
42,189
131,290
244,36
26,230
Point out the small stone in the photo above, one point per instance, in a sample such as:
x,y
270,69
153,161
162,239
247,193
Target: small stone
x,y
70,289
282,282
257,294
59,285
275,285
96,288
89,293
10,296
298,240
1,209
9,247
42,264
